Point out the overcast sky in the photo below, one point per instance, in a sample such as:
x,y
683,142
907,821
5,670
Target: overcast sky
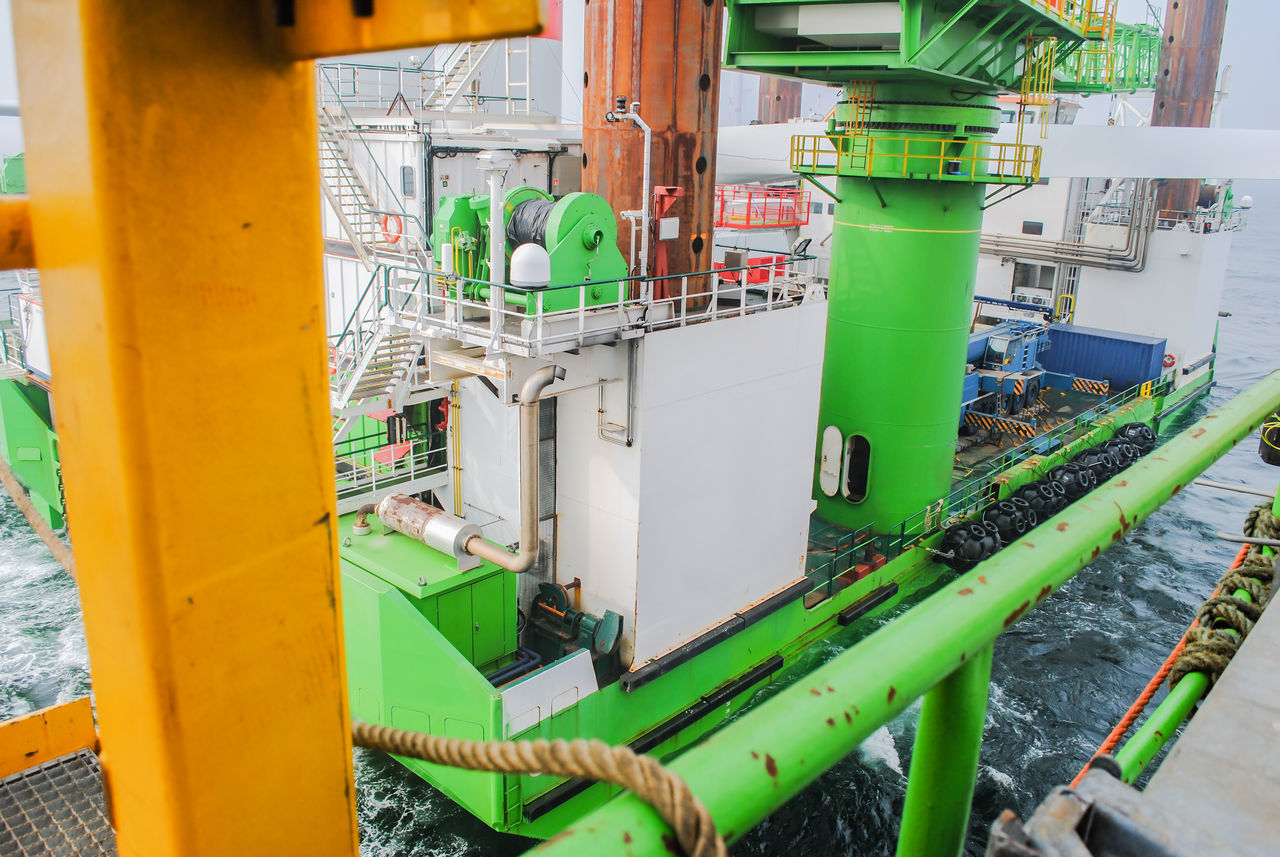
x,y
1247,48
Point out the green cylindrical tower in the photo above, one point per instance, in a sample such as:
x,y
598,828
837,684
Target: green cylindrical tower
x,y
911,165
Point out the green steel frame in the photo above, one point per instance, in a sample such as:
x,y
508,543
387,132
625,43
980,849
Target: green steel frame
x,y
755,765
967,42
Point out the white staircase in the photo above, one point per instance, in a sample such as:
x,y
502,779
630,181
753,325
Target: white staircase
x,y
460,69
381,371
348,194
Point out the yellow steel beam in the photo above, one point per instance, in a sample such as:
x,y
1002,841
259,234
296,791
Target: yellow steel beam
x,y
308,29
46,734
16,250
173,173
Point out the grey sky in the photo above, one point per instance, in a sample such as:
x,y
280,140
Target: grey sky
x,y
1248,47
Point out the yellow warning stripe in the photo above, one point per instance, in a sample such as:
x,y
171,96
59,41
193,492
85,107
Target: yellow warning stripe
x,y
990,423
1018,386
1084,385
884,227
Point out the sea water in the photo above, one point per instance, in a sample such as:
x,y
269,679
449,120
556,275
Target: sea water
x,y
1062,676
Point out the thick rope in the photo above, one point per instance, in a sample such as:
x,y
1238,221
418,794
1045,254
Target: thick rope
x,y
642,775
56,546
1144,699
1225,620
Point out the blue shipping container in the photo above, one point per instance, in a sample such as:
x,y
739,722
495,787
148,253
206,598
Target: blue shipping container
x,y
1124,359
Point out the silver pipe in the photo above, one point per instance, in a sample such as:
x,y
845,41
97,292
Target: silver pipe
x,y
1239,489
527,554
1249,540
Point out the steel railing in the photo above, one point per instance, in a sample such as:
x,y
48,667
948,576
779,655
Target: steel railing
x,y
915,157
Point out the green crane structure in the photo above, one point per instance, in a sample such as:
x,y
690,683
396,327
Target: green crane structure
x,y
909,144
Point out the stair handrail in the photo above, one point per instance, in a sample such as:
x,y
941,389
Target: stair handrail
x,y
388,189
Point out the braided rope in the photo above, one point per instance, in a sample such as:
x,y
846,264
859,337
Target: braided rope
x,y
56,546
644,776
1211,643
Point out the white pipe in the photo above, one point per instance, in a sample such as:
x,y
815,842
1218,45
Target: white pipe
x,y
497,232
646,191
527,554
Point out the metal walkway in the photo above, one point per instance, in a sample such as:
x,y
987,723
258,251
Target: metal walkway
x,y
1223,774
56,810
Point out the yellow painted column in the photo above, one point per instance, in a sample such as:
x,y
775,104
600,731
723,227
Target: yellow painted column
x,y
173,176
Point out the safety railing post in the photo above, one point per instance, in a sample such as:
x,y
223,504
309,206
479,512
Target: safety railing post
x,y
944,762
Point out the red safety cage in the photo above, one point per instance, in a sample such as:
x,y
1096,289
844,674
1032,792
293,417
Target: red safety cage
x,y
758,207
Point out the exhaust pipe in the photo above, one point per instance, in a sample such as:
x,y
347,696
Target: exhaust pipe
x,y
527,554
454,536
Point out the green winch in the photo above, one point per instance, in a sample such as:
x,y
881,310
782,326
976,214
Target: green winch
x,y
578,232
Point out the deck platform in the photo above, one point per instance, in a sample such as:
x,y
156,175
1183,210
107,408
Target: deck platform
x,y
1223,773
56,810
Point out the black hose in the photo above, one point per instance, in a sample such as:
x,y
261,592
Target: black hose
x,y
528,224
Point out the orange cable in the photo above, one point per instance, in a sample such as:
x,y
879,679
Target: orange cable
x,y
1149,691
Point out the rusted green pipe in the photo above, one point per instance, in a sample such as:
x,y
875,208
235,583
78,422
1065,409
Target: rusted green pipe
x,y
944,763
755,765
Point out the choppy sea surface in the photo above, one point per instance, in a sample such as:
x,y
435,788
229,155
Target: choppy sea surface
x,y
1062,676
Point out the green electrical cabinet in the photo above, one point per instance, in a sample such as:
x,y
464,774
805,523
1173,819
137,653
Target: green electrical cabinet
x,y
475,611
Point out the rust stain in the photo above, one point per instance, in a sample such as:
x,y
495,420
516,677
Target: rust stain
x,y
626,837
1115,537
1122,483
1027,545
1176,488
1198,433
982,579
1044,592
770,766
815,691
564,834
965,591
1096,551
755,755
1016,614
1062,528
830,689
848,718
893,691
831,721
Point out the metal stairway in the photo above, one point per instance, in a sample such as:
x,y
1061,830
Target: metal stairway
x,y
381,371
460,69
347,193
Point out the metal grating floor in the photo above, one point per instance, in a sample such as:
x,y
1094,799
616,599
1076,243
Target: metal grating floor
x,y
56,810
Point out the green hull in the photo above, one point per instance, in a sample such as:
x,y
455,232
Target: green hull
x,y
403,671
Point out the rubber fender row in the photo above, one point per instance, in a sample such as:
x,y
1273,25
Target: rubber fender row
x,y
968,543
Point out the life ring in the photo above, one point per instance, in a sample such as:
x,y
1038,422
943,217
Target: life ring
x,y
1169,360
392,227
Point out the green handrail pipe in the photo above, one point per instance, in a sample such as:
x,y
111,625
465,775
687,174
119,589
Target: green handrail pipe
x,y
1174,710
756,764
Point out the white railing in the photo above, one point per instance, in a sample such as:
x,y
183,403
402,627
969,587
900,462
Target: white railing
x,y
421,88
520,321
419,467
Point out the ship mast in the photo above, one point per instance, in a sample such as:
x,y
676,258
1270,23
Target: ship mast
x,y
1191,51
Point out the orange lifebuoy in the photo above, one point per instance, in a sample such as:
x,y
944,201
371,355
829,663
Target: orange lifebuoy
x,y
392,227
1169,360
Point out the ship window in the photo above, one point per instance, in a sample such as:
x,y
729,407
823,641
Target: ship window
x,y
1032,227
815,208
831,208
407,186
857,468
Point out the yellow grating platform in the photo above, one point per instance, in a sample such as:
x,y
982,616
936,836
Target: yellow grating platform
x,y
56,810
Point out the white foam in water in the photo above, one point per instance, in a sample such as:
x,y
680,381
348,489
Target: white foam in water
x,y
880,748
